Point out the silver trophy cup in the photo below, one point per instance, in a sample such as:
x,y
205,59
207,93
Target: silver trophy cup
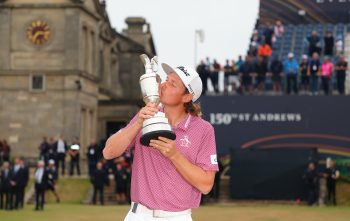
x,y
158,125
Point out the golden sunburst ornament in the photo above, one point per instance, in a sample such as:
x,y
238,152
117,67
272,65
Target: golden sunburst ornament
x,y
38,32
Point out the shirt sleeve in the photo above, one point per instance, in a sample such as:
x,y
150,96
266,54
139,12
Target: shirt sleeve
x,y
206,157
132,143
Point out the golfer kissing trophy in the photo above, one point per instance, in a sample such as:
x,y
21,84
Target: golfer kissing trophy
x,y
158,125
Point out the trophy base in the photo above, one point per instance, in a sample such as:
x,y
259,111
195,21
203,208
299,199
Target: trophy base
x,y
146,138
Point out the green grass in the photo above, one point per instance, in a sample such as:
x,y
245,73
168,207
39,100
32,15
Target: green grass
x,y
76,212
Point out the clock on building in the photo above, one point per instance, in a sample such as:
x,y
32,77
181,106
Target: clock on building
x,y
38,32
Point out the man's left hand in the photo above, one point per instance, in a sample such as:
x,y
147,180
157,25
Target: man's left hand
x,y
165,146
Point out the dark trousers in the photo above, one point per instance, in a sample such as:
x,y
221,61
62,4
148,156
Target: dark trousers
x,y
74,163
314,84
205,84
15,198
341,83
39,197
214,77
61,159
325,85
312,196
92,167
101,193
21,197
5,199
331,194
292,84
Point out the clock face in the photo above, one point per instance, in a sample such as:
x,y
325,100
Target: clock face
x,y
38,32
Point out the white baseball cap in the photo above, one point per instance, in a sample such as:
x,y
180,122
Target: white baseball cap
x,y
190,78
290,55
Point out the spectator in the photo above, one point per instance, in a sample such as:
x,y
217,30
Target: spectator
x,y
17,180
255,37
332,175
215,75
5,186
276,70
1,152
233,80
239,62
52,178
265,51
92,156
99,180
40,180
339,45
24,182
314,72
311,181
279,29
203,71
52,154
6,151
44,149
246,71
121,179
261,70
328,44
327,69
253,49
268,34
74,153
61,150
341,69
303,70
291,71
228,69
314,43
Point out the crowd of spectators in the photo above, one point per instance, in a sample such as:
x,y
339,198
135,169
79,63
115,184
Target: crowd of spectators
x,y
321,70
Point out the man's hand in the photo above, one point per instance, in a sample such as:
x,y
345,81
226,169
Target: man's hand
x,y
147,112
166,147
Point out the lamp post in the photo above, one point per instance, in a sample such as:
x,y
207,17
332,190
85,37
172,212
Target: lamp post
x,y
198,34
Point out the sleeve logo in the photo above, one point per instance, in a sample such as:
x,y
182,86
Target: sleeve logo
x,y
213,159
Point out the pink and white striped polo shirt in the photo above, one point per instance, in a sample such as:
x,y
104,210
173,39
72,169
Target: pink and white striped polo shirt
x,y
155,181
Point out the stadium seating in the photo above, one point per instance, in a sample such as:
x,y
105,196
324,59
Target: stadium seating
x,y
294,37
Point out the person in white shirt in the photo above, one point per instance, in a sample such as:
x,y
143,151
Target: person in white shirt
x,y
61,149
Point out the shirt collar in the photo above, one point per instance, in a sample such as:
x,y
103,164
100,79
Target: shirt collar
x,y
184,124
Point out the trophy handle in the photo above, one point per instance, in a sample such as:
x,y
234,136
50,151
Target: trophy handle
x,y
147,63
154,64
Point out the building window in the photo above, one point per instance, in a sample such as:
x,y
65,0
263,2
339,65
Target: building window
x,y
37,82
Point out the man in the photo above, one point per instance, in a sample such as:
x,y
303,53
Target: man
x,y
291,71
74,153
24,182
328,44
311,180
99,180
5,186
17,181
276,70
61,150
332,175
303,70
92,156
40,179
341,68
169,176
203,71
52,177
314,72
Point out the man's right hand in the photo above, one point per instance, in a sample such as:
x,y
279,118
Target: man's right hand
x,y
147,112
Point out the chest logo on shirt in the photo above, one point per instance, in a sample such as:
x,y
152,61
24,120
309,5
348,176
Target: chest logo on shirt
x,y
185,141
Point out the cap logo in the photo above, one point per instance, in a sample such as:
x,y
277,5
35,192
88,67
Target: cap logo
x,y
182,68
190,89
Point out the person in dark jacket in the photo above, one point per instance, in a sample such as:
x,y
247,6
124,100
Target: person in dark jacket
x,y
61,150
17,182
92,156
40,179
276,69
24,182
311,181
5,186
120,178
52,177
99,181
332,176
